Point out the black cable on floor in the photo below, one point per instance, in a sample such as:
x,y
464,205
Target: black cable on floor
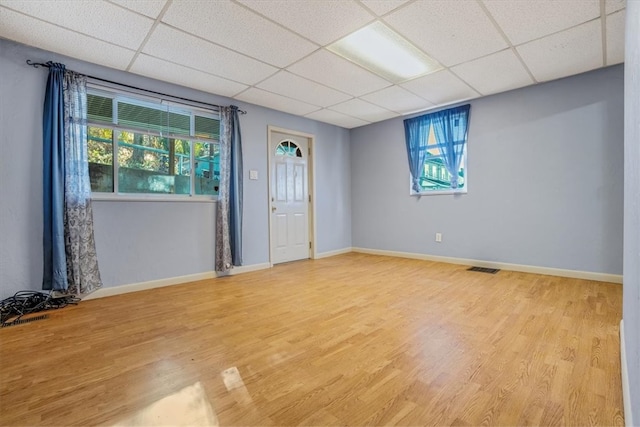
x,y
26,302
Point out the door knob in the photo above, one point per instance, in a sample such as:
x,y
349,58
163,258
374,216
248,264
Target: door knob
x,y
273,208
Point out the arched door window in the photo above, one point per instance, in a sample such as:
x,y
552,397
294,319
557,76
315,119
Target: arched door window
x,y
288,148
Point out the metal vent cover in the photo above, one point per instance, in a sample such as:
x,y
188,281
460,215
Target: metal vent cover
x,y
484,270
28,320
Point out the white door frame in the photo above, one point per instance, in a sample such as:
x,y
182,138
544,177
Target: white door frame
x,y
311,158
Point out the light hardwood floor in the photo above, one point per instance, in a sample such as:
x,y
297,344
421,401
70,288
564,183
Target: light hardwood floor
x,y
353,339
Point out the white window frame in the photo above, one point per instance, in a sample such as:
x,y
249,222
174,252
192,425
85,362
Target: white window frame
x,y
146,101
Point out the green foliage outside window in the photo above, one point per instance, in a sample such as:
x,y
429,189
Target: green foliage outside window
x,y
156,158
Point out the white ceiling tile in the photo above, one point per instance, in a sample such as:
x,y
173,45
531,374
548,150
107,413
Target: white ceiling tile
x,y
381,7
363,110
162,70
335,118
227,35
449,31
395,98
101,20
441,88
495,73
176,46
276,102
333,71
24,29
523,21
564,54
299,88
320,21
615,37
150,8
611,6
233,26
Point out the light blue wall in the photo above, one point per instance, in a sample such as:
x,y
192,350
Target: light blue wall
x,y
631,280
141,241
545,181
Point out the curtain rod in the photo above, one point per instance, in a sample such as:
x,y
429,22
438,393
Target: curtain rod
x,y
48,64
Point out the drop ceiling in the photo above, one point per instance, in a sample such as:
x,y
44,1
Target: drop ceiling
x,y
273,52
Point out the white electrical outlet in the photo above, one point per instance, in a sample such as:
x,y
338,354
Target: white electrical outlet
x,y
253,174
438,237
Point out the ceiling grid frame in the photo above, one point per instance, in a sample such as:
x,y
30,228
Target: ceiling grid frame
x,y
506,39
603,29
363,100
61,26
155,24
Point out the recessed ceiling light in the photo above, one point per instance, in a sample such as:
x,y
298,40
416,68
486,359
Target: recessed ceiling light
x,y
381,50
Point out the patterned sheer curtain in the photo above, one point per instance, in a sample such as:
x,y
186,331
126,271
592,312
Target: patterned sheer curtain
x,y
70,260
229,207
80,248
416,133
450,128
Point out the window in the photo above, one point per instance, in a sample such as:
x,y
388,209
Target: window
x,y
137,146
435,177
288,148
437,151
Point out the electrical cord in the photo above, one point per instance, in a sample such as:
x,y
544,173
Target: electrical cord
x,y
26,302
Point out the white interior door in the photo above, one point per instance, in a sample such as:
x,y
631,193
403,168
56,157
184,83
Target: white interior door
x,y
289,197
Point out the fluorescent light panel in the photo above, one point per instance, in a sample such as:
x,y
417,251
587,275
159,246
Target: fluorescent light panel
x,y
383,51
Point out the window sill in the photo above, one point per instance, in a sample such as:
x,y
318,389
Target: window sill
x,y
109,197
438,193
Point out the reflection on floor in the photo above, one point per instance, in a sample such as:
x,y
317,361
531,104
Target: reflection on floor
x,y
187,407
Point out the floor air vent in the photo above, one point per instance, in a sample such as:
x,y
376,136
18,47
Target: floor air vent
x,y
484,270
21,321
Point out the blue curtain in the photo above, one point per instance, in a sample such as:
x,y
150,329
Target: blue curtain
x,y
229,206
235,191
450,128
416,133
70,261
55,264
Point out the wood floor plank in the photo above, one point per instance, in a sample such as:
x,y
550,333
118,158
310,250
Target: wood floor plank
x,y
354,339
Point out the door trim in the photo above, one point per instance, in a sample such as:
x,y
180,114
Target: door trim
x,y
311,167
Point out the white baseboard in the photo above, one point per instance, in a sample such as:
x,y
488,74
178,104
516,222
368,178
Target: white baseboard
x,y
142,286
626,398
587,275
245,269
333,253
134,287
